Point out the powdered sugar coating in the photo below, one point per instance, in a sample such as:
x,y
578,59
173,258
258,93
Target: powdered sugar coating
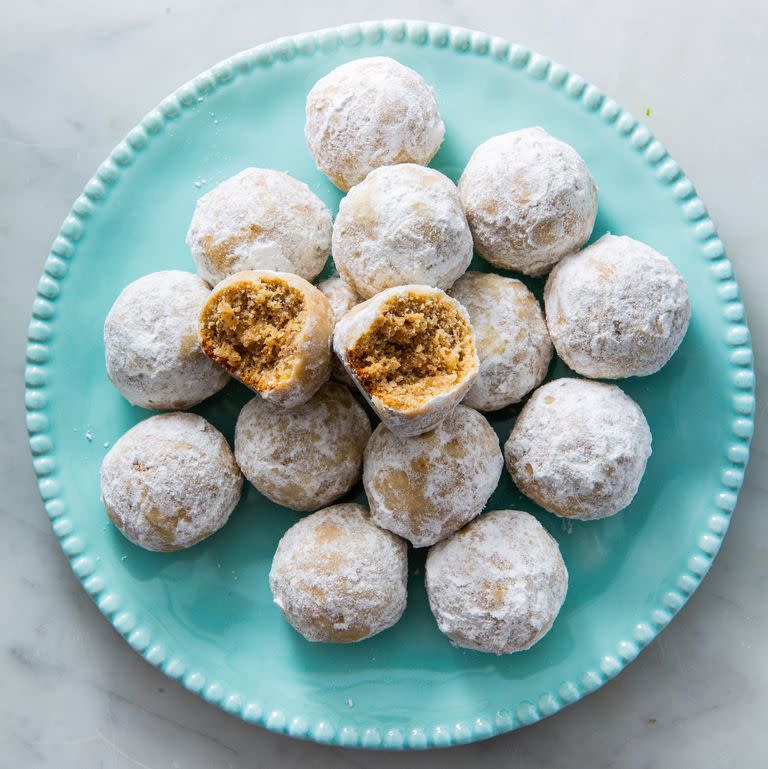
x,y
498,584
340,295
170,482
342,299
369,113
529,200
511,337
303,458
402,224
579,448
337,577
425,488
151,347
430,413
259,219
617,308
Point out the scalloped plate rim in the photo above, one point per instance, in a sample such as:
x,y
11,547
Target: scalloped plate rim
x,y
464,41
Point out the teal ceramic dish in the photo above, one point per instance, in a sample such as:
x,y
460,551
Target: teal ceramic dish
x,y
205,616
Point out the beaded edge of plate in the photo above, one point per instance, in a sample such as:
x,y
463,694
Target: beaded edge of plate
x,y
462,41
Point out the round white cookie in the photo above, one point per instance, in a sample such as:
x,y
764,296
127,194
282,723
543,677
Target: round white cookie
x,y
616,309
369,113
498,584
402,224
511,337
529,199
259,219
579,448
170,482
306,457
337,577
152,350
426,487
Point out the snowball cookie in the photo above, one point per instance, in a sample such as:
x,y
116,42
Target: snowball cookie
x,y
151,347
411,352
616,309
425,488
403,224
339,578
511,336
305,457
272,331
579,448
369,113
529,200
259,220
340,295
498,584
342,299
170,482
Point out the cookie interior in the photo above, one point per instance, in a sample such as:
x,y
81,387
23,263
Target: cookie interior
x,y
250,328
418,347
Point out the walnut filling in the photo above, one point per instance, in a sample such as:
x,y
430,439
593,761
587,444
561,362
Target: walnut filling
x,y
418,347
250,329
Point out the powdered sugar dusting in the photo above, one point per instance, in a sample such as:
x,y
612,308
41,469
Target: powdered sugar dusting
x,y
498,584
579,448
369,113
616,309
259,219
338,577
427,487
152,350
340,295
511,337
402,224
342,298
306,457
529,200
170,481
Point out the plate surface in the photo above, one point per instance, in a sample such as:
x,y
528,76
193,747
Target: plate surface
x,y
205,616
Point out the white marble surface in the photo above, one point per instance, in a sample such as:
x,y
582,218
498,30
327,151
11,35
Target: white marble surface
x,y
76,76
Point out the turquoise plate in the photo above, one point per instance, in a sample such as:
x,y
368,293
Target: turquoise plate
x,y
205,616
